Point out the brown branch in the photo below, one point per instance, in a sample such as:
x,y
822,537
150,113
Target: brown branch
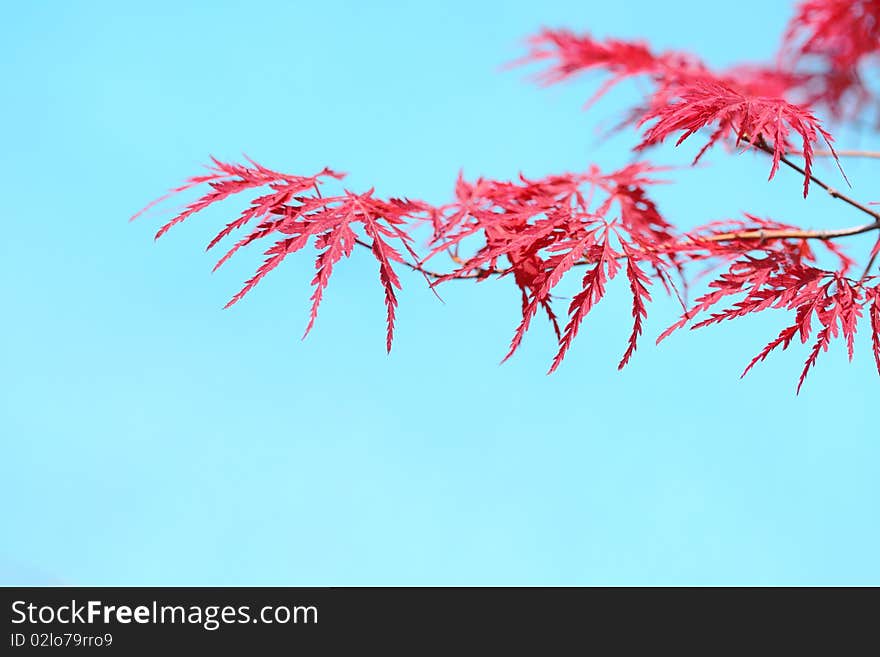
x,y
845,153
750,234
761,144
790,233
695,242
757,234
870,264
828,188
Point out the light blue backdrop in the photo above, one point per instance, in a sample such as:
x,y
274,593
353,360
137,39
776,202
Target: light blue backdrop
x,y
151,438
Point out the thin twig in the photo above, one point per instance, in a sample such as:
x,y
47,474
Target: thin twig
x,y
828,188
761,144
790,233
824,153
695,243
870,264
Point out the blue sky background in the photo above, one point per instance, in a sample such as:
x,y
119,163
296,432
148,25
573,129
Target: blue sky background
x,y
152,438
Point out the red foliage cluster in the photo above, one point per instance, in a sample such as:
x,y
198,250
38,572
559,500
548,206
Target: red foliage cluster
x,y
603,224
545,228
836,40
843,32
730,113
296,210
746,102
780,279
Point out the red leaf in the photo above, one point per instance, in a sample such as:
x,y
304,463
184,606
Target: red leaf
x,y
638,285
593,284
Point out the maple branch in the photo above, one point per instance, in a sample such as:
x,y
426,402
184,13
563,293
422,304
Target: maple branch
x,y
762,145
790,233
845,153
752,234
870,264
